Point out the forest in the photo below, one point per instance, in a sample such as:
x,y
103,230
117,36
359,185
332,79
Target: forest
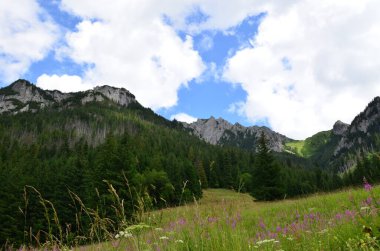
x,y
58,166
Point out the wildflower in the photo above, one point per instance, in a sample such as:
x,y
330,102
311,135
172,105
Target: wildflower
x,y
179,241
323,231
233,223
127,235
212,219
182,221
368,201
262,225
164,238
338,216
158,229
349,214
367,186
265,241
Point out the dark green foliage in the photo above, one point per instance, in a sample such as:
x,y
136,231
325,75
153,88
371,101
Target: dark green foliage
x,y
368,167
267,184
88,149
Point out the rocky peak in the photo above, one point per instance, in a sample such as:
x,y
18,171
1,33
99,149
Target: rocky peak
x,y
26,92
361,128
221,132
119,95
339,128
211,130
21,85
365,119
21,95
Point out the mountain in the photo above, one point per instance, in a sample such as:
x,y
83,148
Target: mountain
x,y
341,147
338,148
221,132
22,96
102,142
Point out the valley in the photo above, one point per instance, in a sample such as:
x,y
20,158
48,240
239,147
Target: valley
x,y
78,168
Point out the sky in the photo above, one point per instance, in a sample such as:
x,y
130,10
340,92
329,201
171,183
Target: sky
x,y
296,66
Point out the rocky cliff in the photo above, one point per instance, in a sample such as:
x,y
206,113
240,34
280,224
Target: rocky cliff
x,y
363,133
22,96
221,132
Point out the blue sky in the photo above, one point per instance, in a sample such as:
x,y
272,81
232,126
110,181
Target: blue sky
x,y
253,62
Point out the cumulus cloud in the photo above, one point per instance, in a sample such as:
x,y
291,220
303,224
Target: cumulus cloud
x,y
135,44
183,117
27,34
128,44
64,83
311,64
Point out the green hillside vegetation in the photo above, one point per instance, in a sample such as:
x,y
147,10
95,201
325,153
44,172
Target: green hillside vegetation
x,y
310,146
76,174
74,160
226,220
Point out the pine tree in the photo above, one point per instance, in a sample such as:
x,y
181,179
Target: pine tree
x,y
267,183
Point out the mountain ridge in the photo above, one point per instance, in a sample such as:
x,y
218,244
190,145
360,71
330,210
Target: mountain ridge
x,y
221,132
339,147
22,96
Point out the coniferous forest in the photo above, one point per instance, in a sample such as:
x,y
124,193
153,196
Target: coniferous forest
x,y
59,167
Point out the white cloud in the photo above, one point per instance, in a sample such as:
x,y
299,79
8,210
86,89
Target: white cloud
x,y
238,108
183,117
26,35
206,43
312,63
127,44
64,83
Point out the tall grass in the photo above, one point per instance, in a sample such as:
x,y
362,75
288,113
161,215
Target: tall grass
x,y
226,220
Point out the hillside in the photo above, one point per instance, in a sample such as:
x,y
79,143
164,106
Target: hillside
x,y
73,156
221,132
341,147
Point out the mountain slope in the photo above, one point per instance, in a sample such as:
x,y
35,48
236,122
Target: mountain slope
x,y
22,96
341,147
221,132
99,141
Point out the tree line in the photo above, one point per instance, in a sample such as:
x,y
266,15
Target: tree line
x,y
123,160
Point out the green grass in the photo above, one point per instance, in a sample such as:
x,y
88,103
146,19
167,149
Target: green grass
x,y
296,147
226,220
308,147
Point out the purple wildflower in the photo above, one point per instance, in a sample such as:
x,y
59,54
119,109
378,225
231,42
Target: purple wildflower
x,y
182,221
367,186
233,223
350,214
338,216
368,201
212,219
262,224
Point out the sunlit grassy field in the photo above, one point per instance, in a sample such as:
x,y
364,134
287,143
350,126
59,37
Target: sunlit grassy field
x,y
226,220
296,147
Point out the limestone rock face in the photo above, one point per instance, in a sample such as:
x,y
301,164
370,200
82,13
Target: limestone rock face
x,y
119,95
22,96
221,132
339,128
358,136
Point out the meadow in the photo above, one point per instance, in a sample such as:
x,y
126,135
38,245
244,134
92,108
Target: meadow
x,y
227,220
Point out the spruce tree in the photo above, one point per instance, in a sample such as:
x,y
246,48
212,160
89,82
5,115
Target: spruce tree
x,y
267,183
